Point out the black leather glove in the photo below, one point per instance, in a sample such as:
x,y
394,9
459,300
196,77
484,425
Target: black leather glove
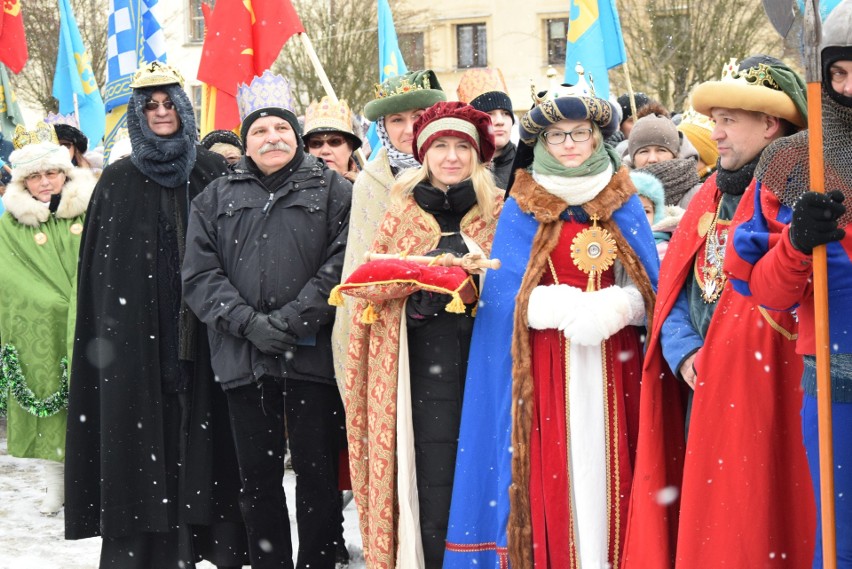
x,y
266,337
276,320
814,220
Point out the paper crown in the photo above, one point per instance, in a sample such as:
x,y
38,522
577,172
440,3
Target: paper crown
x,y
56,118
691,117
475,82
327,116
414,90
268,90
42,132
155,74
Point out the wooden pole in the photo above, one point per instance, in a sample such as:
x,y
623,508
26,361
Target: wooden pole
x,y
630,94
813,72
323,77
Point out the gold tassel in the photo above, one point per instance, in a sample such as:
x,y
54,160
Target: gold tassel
x,y
369,315
335,298
456,306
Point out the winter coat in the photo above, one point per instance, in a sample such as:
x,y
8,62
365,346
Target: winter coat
x,y
251,250
115,472
38,253
501,166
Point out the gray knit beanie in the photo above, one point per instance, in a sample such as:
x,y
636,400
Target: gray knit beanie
x,y
653,130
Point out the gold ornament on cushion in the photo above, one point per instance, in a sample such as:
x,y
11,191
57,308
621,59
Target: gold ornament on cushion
x,y
326,114
475,82
593,251
42,132
155,74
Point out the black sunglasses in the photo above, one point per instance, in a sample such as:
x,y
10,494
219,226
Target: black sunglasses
x,y
154,105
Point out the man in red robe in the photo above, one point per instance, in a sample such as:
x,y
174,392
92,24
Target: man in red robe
x,y
737,497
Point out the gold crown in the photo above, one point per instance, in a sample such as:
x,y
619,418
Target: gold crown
x,y
155,74
730,70
475,82
760,76
692,117
404,86
42,132
328,115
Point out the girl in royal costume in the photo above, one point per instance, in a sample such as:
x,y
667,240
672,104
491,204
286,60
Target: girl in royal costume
x,y
551,407
39,240
406,366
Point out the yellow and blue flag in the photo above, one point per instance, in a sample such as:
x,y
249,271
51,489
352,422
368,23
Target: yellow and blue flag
x,y
391,63
74,76
10,112
134,36
595,41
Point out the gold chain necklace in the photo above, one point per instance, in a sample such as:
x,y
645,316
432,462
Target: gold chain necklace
x,y
713,276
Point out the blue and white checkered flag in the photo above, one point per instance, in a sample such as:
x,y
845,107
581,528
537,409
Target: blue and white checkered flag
x,y
134,35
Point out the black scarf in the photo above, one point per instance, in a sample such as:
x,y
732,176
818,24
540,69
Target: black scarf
x,y
279,177
735,182
453,203
166,160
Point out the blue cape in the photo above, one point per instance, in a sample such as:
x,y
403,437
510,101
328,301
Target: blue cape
x,y
480,506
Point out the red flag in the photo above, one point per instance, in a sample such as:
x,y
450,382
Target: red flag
x,y
243,40
13,40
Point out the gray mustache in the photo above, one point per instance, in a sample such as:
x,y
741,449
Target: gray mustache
x,y
270,146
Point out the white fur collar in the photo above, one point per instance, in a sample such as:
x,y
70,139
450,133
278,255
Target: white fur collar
x,y
576,190
75,199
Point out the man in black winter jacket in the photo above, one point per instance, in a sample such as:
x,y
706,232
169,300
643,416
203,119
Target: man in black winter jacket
x,y
265,246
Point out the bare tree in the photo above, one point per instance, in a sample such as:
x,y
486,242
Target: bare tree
x,y
344,34
673,45
34,84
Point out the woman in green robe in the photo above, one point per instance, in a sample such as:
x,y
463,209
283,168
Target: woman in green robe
x,y
39,240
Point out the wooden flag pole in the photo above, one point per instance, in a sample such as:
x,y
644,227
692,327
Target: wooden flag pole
x,y
326,84
630,94
813,72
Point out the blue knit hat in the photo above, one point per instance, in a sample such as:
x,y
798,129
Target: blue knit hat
x,y
650,187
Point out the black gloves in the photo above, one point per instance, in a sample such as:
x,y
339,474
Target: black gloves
x,y
424,305
266,337
814,220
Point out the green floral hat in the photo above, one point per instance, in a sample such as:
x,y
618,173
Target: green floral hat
x,y
414,90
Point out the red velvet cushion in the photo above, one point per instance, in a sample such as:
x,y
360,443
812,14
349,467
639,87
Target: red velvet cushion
x,y
397,278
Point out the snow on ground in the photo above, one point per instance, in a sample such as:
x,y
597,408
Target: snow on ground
x,y
29,540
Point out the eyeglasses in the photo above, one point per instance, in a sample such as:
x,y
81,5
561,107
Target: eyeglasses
x,y
49,174
558,136
333,141
153,105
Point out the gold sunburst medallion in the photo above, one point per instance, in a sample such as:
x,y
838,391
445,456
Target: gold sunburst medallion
x,y
593,251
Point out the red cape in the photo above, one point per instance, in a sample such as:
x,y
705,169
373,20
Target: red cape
x,y
744,497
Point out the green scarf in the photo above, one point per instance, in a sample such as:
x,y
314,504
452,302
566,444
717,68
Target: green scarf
x,y
545,163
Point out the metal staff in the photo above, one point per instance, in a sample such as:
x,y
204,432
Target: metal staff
x,y
780,13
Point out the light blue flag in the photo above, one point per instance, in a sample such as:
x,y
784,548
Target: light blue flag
x,y
391,63
134,36
825,7
74,76
595,41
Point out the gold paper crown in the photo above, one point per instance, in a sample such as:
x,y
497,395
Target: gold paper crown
x,y
404,86
328,115
580,89
155,74
475,82
730,70
691,116
42,132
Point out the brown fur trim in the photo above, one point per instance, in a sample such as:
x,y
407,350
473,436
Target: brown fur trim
x,y
533,198
519,528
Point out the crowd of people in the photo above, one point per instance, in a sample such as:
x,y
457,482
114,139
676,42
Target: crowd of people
x,y
632,385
